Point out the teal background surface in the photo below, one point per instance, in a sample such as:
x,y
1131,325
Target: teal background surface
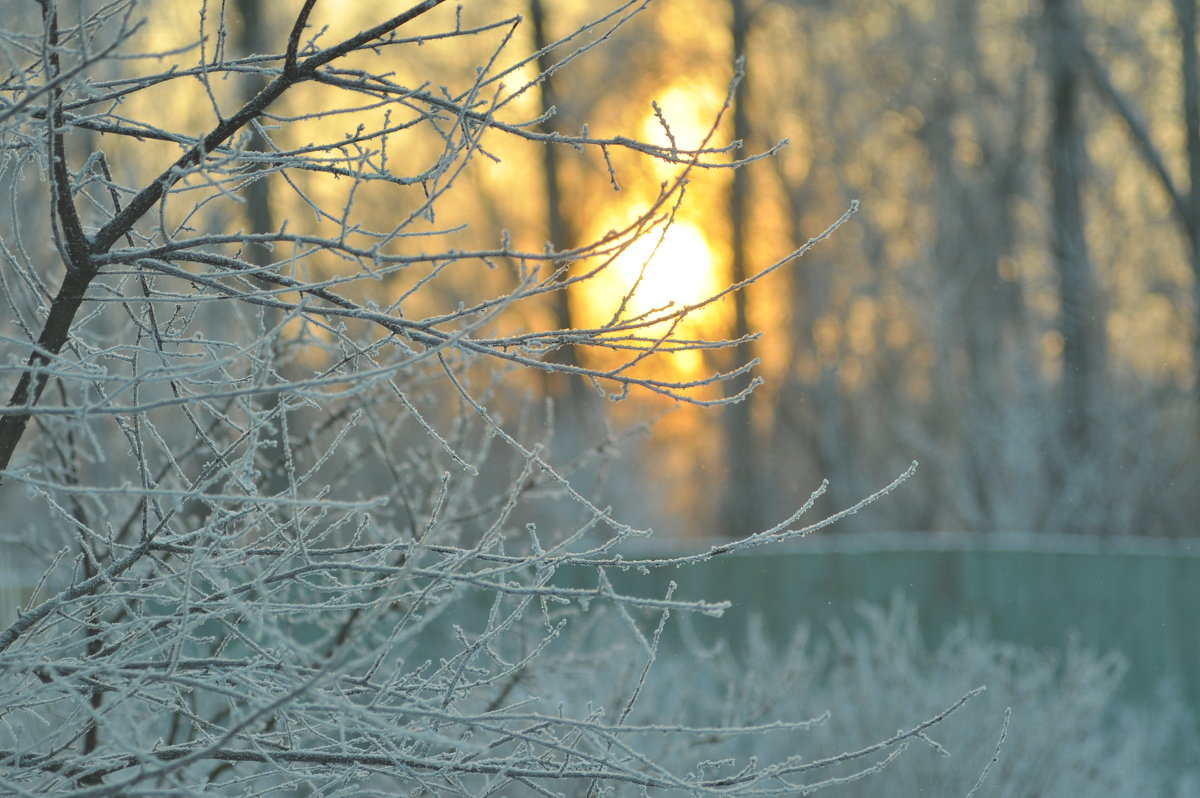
x,y
1139,597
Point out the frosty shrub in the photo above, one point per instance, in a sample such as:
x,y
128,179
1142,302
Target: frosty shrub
x,y
1069,731
267,448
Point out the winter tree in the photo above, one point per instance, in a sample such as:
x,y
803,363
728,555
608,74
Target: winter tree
x,y
267,448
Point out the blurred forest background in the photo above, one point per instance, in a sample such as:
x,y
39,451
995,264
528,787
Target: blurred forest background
x,y
1015,305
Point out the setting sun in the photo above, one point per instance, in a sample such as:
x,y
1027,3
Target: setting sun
x,y
661,273
673,269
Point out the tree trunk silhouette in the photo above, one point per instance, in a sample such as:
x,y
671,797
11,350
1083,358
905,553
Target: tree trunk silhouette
x,y
559,229
252,37
1080,317
743,507
1185,14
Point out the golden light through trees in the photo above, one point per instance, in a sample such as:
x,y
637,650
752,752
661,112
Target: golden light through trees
x,y
925,328
663,272
679,264
379,351
675,269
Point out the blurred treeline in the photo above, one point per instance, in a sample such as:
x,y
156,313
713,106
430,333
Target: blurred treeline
x,y
1012,305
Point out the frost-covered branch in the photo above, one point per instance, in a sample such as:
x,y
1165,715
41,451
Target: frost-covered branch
x,y
292,522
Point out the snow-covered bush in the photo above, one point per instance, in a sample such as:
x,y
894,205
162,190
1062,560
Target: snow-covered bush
x,y
1067,730
297,528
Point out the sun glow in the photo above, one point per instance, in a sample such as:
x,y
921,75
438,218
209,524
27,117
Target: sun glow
x,y
676,268
689,111
658,275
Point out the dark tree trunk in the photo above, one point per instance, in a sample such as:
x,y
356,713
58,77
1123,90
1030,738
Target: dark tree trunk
x,y
559,229
1185,13
1080,318
251,37
744,509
